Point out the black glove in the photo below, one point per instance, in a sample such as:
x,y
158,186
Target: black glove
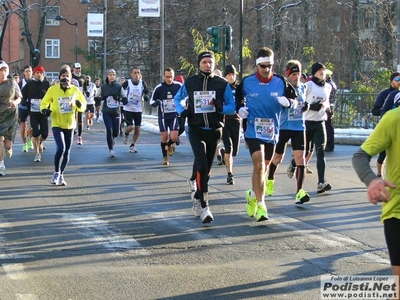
x,y
156,103
218,103
315,106
305,107
124,100
78,104
116,97
87,94
46,112
146,98
184,114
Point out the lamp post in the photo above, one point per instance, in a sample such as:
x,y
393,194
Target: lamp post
x,y
105,33
61,18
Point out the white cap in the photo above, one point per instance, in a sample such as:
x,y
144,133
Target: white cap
x,y
77,65
3,64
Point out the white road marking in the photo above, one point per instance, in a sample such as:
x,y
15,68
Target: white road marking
x,y
14,271
26,297
100,232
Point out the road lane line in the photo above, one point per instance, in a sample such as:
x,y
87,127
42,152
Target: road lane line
x,y
14,271
100,232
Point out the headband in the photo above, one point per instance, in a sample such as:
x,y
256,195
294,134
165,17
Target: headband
x,y
267,59
292,70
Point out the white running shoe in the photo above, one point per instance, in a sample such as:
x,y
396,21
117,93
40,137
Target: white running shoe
x,y
2,170
38,157
112,153
132,149
61,180
206,215
55,177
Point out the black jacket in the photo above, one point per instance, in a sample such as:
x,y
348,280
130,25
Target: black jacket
x,y
202,82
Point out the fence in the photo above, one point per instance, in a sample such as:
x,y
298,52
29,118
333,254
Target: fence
x,y
353,110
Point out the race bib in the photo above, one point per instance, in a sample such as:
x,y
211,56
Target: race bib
x,y
264,128
35,105
65,104
295,113
169,106
203,101
111,103
134,98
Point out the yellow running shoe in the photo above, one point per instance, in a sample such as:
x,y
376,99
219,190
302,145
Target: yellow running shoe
x,y
269,187
251,206
302,197
30,144
262,213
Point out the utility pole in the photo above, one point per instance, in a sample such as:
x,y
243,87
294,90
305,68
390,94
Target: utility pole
x,y
398,35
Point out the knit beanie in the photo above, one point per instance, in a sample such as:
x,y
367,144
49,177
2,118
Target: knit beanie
x,y
205,54
38,69
316,67
394,75
63,71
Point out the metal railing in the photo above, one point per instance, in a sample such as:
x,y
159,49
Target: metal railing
x,y
353,110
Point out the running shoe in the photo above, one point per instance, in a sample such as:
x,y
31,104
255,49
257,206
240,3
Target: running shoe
x,y
79,141
38,157
61,180
323,187
98,121
126,137
2,170
302,197
206,215
251,206
41,147
196,208
192,185
291,168
308,170
262,213
55,177
24,148
230,180
219,160
30,144
178,141
9,153
132,149
165,161
111,154
269,187
88,128
170,150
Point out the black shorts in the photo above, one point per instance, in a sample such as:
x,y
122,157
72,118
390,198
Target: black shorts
x,y
22,114
255,145
90,108
297,138
392,234
133,118
97,102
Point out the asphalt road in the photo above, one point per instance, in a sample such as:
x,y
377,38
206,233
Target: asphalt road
x,y
122,228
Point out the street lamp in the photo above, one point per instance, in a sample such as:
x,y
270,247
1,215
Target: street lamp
x,y
61,18
105,33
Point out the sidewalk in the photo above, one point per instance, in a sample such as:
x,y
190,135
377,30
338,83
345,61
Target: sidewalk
x,y
343,136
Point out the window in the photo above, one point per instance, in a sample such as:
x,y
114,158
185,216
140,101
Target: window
x,y
52,48
95,47
51,14
50,76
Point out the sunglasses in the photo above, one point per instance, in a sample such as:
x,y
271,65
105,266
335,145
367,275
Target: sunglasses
x,y
397,79
265,66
